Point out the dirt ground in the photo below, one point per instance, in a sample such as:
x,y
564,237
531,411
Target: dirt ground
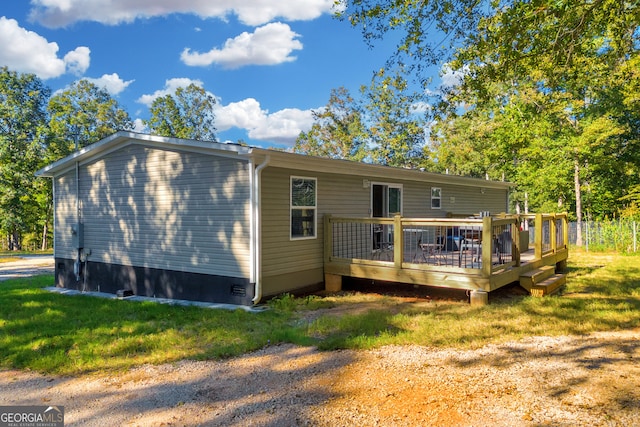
x,y
591,380
543,381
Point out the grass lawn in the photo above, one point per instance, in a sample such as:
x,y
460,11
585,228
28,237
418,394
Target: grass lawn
x,y
55,333
11,254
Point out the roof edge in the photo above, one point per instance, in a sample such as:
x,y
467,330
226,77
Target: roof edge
x,y
278,159
350,167
125,136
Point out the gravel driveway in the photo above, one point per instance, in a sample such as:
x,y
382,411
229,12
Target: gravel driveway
x,y
591,380
25,266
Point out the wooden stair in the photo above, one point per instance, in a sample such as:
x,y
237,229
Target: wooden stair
x,y
542,281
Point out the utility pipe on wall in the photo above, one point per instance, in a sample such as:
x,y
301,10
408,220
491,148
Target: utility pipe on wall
x,y
257,228
77,264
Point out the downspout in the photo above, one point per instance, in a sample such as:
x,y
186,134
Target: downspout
x,y
257,228
77,192
77,264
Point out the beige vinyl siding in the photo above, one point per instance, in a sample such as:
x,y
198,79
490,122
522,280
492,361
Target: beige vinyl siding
x,y
283,257
148,207
472,200
65,215
466,200
293,264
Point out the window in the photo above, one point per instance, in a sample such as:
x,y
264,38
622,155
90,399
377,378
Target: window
x,y
386,200
395,200
303,207
436,197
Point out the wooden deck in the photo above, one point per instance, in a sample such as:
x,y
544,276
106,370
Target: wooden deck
x,y
476,254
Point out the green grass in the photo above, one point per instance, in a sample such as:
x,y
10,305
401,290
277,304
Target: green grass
x,y
602,294
49,332
55,333
8,256
19,253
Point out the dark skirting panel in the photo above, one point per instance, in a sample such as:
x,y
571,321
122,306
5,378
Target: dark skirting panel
x,y
151,282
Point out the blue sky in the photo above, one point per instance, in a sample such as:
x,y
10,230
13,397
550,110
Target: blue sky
x,y
268,62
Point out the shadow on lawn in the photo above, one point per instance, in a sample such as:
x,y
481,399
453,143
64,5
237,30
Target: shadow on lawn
x,y
204,393
50,332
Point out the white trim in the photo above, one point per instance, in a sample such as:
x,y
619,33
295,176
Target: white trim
x,y
252,221
314,208
388,185
439,198
256,226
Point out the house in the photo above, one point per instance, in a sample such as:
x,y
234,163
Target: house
x,y
204,221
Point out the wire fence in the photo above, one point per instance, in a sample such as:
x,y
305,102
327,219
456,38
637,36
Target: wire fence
x,y
618,235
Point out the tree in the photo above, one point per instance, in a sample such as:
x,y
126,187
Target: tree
x,y
78,116
187,114
395,121
385,126
338,131
500,38
544,90
22,120
83,114
572,146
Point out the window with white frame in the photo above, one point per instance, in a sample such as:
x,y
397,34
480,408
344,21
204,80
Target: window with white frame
x,y
303,207
436,197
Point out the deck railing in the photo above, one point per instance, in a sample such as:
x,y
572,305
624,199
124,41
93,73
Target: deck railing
x,y
551,233
479,246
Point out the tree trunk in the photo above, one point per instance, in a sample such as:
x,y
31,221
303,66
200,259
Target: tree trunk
x,y
14,240
44,236
576,181
45,228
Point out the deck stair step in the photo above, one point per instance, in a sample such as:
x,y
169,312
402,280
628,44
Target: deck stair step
x,y
530,278
542,281
548,286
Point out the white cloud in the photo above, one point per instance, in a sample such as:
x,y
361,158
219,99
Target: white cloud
x,y
420,107
170,87
451,78
60,13
269,45
243,115
28,52
283,126
77,61
139,126
111,82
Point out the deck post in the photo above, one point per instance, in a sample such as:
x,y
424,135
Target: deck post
x,y
565,230
538,237
515,238
332,282
398,242
478,298
487,245
328,238
553,233
562,265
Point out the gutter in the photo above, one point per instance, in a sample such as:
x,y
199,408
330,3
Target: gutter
x,y
256,241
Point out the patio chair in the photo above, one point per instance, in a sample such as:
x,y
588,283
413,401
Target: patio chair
x,y
432,248
382,244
